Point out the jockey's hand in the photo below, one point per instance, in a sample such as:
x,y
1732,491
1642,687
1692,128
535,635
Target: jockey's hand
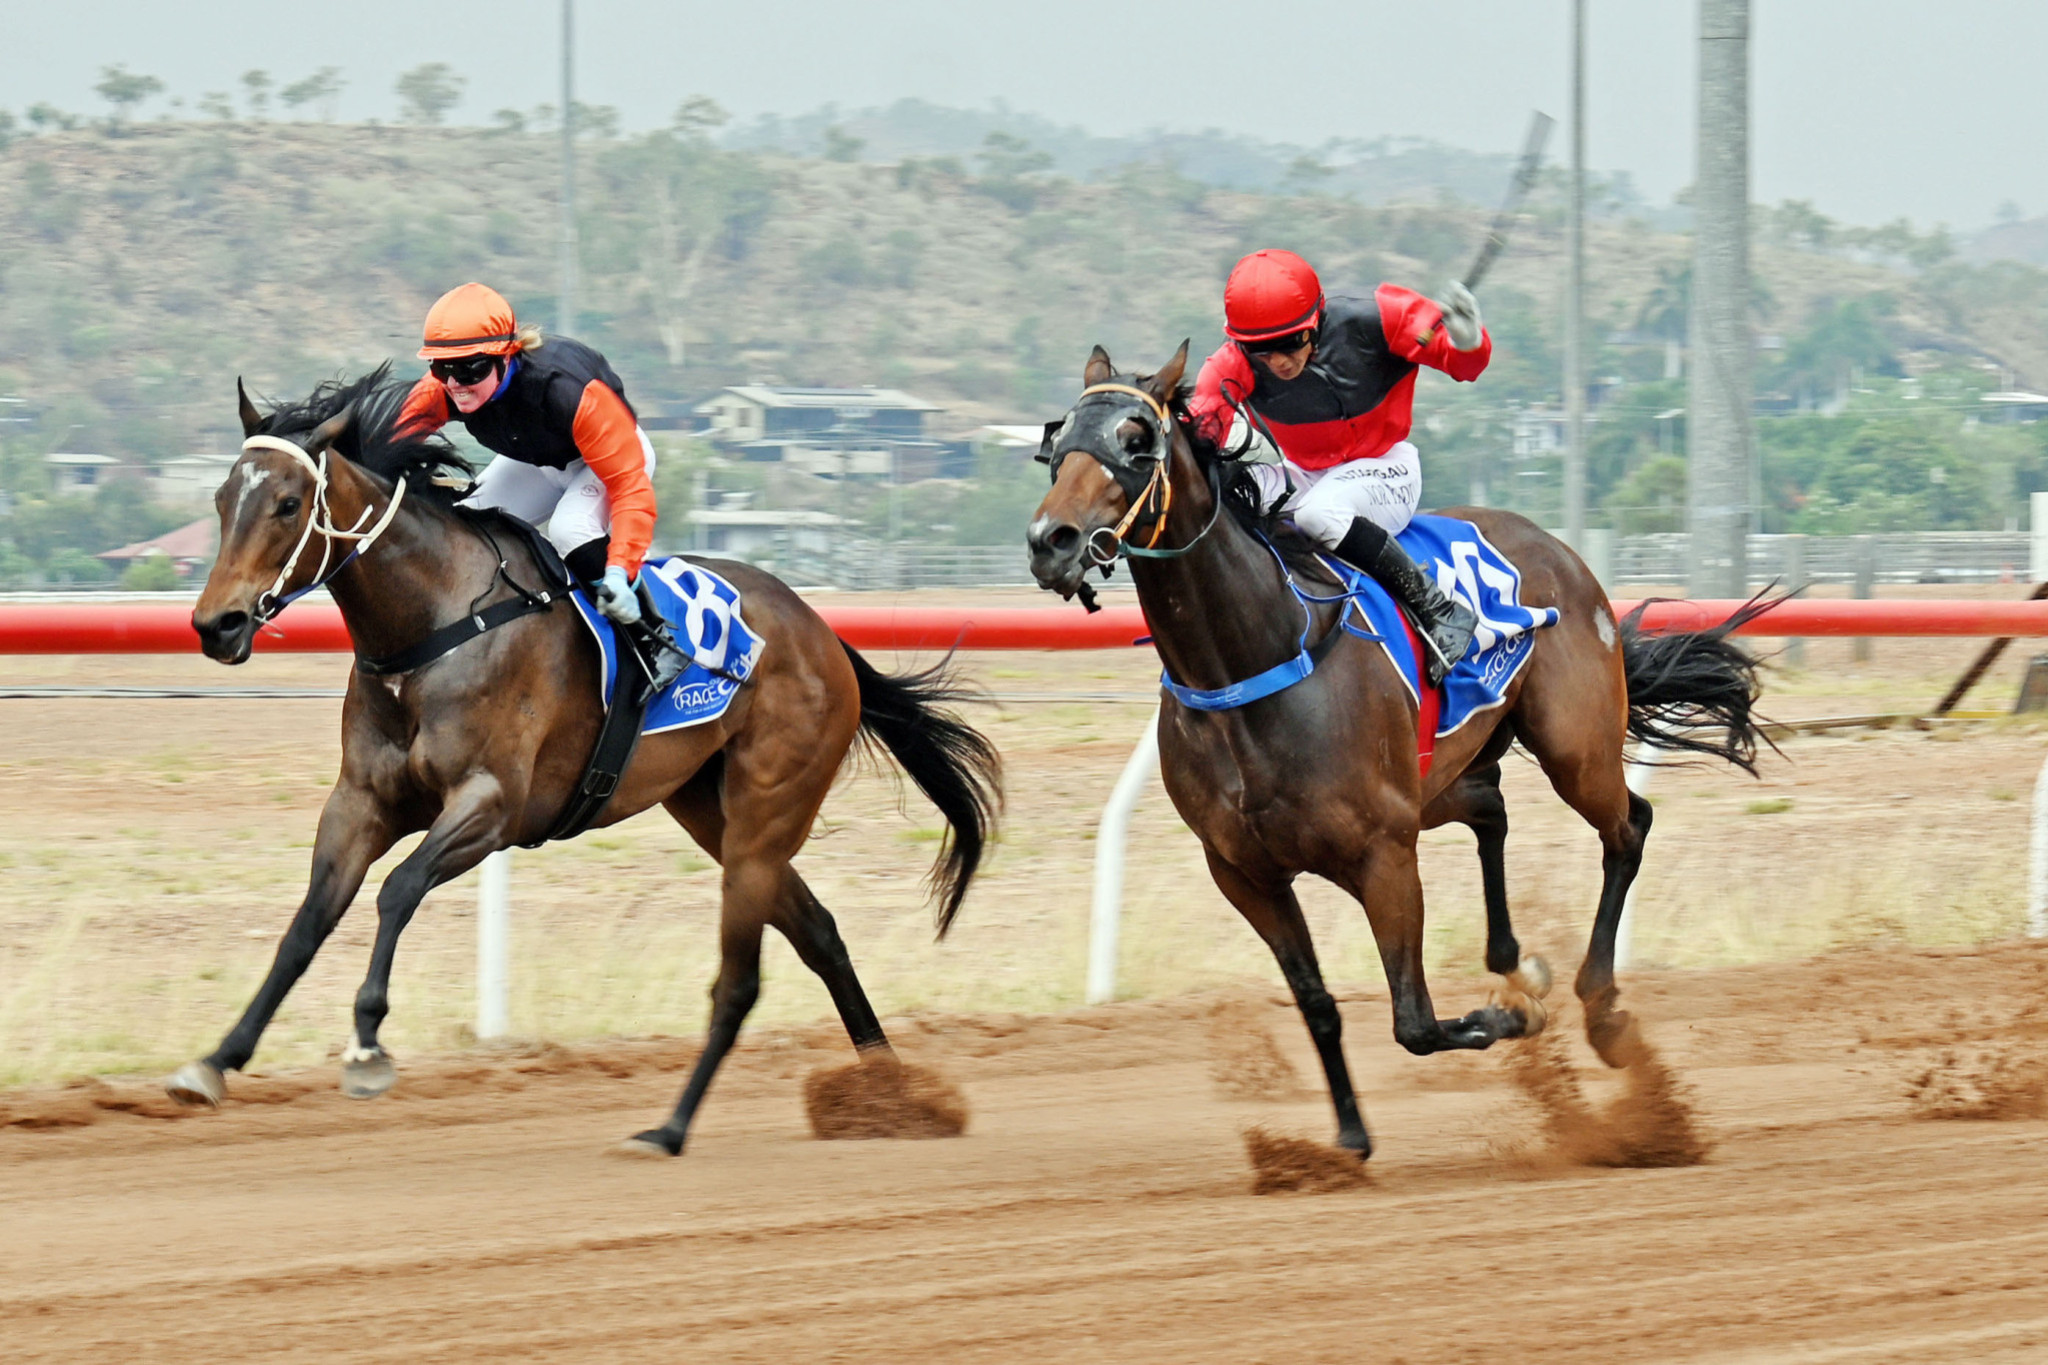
x,y
1461,317
615,597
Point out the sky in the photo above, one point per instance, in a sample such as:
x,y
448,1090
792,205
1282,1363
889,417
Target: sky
x,y
1873,109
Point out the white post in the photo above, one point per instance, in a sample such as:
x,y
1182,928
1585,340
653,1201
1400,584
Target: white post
x,y
1637,774
2037,537
493,944
2037,878
1110,836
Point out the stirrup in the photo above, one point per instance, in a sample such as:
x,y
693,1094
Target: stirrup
x,y
666,660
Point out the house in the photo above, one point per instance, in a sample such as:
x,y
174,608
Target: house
x,y
75,475
761,533
2014,405
190,480
187,547
836,433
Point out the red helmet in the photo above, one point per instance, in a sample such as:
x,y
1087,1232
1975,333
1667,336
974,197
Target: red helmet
x,y
471,319
1271,294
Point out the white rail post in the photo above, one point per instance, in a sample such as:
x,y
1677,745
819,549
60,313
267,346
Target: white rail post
x,y
1110,836
493,944
1637,773
2037,877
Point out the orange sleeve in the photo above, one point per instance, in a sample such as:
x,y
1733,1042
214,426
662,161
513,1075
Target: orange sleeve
x,y
609,441
424,412
1413,326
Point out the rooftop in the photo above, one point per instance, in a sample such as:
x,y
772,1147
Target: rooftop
x,y
781,396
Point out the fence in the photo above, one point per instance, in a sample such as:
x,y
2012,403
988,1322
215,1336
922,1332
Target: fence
x,y
145,627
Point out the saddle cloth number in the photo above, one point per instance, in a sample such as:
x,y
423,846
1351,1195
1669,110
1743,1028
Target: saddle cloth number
x,y
706,624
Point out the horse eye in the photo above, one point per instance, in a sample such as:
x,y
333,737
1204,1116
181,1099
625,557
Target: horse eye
x,y
1137,439
288,507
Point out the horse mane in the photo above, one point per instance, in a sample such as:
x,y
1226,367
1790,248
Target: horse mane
x,y
426,463
1241,496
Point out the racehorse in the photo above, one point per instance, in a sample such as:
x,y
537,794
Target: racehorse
x,y
1323,775
483,746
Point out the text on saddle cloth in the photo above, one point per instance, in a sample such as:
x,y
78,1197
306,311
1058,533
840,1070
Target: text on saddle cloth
x,y
1468,567
703,614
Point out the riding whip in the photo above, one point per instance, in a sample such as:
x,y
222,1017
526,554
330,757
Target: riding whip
x,y
1518,190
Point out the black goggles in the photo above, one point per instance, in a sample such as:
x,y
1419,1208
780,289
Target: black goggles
x,y
464,369
1293,341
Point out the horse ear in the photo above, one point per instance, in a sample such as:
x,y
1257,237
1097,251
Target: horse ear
x,y
1098,370
331,430
1162,385
252,420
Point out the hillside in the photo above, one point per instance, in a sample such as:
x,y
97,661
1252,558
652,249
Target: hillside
x,y
140,273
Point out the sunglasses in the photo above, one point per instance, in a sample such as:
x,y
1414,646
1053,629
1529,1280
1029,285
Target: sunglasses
x,y
464,369
1293,341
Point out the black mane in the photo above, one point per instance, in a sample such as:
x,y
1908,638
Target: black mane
x,y
1241,496
428,464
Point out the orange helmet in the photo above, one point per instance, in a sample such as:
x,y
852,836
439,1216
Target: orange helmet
x,y
472,319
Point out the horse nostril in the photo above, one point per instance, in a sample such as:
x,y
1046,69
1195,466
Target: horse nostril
x,y
1063,539
231,622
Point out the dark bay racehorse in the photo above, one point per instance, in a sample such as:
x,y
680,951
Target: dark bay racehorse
x,y
482,747
1323,776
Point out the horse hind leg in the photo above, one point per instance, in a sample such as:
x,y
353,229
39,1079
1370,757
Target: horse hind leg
x,y
1475,801
1611,1030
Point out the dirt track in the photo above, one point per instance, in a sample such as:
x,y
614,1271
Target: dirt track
x,y
1097,1210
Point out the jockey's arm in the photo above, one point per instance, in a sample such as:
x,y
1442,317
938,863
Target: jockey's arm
x,y
424,412
1413,326
609,440
1210,406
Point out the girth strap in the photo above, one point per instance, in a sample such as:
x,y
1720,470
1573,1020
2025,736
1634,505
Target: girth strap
x,y
459,633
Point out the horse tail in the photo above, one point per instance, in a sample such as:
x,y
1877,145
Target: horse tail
x,y
951,762
1695,691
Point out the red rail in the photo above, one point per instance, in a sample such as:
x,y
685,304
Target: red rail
x,y
316,627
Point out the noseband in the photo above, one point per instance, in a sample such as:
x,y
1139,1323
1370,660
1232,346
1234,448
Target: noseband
x,y
319,517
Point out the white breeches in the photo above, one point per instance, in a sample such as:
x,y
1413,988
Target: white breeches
x,y
1386,489
569,505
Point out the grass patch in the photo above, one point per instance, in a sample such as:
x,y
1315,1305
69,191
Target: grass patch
x,y
1768,805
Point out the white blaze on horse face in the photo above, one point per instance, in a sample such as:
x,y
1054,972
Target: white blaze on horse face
x,y
252,479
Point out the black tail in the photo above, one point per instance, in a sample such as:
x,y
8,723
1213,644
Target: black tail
x,y
951,762
1695,691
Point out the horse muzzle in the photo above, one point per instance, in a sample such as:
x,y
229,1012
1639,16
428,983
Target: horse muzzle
x,y
227,637
1059,560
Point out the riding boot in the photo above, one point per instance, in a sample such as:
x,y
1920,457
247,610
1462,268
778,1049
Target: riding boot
x,y
649,636
1446,623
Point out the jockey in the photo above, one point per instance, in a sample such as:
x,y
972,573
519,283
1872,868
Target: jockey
x,y
1332,382
571,457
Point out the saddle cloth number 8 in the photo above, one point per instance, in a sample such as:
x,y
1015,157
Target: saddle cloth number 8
x,y
706,618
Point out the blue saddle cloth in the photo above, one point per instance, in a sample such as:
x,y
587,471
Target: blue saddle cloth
x,y
1468,567
703,614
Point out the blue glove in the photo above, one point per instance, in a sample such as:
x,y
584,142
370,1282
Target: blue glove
x,y
615,597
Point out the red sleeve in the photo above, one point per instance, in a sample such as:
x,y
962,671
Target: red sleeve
x,y
424,412
1211,409
609,441
1413,327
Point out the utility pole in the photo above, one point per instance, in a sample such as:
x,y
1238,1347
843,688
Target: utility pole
x,y
1575,303
565,298
1720,440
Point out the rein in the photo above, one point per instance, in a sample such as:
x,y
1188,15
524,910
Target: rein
x,y
319,518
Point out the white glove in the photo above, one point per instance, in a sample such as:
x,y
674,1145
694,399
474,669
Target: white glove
x,y
1461,317
615,597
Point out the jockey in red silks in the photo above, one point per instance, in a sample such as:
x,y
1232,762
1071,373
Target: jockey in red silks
x,y
1332,383
571,457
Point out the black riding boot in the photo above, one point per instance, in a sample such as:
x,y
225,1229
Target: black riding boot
x,y
664,659
1447,624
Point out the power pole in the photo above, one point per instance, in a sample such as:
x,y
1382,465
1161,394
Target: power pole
x,y
1575,304
1720,440
565,298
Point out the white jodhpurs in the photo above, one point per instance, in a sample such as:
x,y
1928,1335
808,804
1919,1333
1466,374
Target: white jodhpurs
x,y
569,505
1385,490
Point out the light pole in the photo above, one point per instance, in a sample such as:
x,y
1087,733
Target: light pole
x,y
1575,304
565,298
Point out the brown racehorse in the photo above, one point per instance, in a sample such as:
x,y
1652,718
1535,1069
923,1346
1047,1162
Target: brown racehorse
x,y
482,747
1323,776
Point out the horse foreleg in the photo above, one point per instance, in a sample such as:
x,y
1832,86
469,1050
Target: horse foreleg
x,y
1390,889
471,826
354,832
1475,801
1272,910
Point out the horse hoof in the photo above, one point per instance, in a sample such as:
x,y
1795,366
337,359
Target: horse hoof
x,y
1532,976
651,1145
368,1078
198,1083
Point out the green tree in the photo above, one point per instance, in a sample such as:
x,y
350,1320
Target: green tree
x,y
841,145
321,89
427,92
124,90
256,86
151,573
1650,499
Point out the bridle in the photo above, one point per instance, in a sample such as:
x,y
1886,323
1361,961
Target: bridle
x,y
319,517
1153,497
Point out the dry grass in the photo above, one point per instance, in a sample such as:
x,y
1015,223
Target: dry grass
x,y
151,852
